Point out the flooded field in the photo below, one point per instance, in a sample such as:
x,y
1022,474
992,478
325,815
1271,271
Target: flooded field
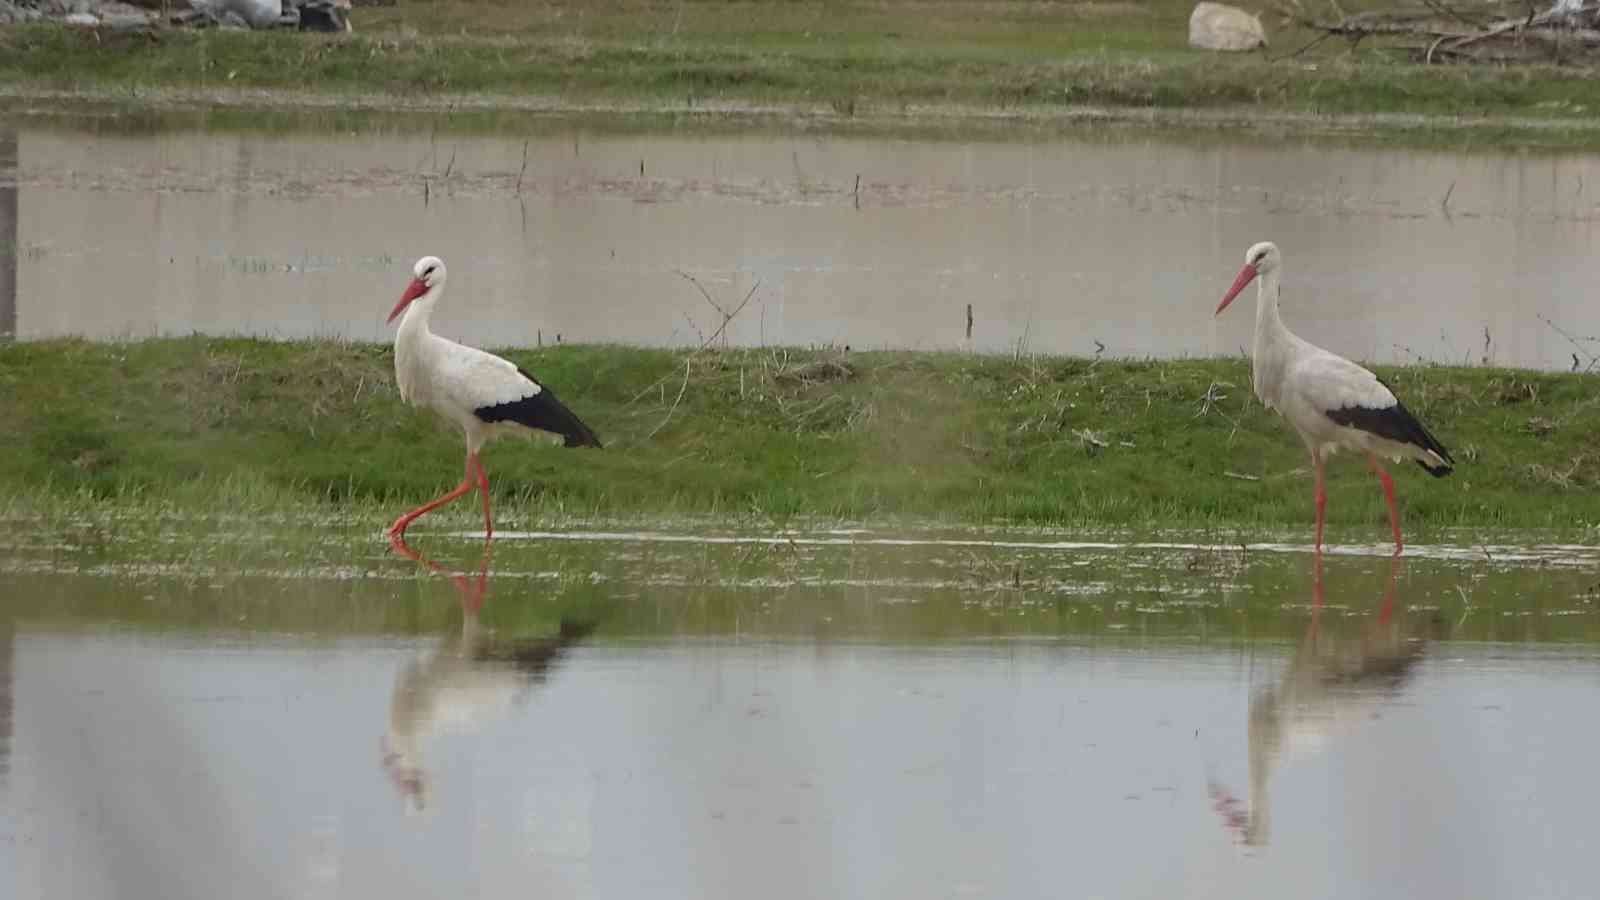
x,y
1114,243
247,708
198,711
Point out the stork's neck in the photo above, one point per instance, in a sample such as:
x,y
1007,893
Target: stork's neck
x,y
414,324
413,346
1269,326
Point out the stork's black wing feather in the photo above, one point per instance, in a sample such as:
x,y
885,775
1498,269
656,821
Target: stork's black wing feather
x,y
1396,423
541,410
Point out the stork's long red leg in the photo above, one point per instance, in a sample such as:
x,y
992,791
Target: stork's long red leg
x,y
1388,494
483,488
1322,497
399,527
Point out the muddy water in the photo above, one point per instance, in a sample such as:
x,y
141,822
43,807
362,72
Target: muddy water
x,y
620,717
1062,245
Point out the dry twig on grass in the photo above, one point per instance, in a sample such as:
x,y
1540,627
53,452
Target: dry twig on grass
x,y
683,386
727,318
1580,343
1566,479
1092,441
1210,403
1446,32
821,371
679,399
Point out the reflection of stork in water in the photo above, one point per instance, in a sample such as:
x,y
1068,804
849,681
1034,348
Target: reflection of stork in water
x,y
472,679
1331,687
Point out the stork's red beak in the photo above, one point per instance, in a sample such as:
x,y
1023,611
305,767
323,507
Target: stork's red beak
x,y
413,290
1246,275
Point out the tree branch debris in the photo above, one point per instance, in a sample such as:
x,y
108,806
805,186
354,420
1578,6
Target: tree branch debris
x,y
1444,33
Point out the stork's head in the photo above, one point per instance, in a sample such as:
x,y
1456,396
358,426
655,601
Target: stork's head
x,y
427,275
1258,260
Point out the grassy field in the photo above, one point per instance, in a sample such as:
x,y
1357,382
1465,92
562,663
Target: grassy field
x,y
772,437
839,59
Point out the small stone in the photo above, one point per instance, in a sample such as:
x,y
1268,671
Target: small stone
x,y
1217,26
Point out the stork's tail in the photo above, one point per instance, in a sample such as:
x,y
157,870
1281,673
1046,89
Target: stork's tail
x,y
1438,461
574,433
1436,469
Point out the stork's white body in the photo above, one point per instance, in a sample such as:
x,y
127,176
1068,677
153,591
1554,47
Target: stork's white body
x,y
1304,382
1332,403
481,393
453,379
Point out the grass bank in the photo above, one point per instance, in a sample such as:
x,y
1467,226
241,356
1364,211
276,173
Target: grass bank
x,y
773,436
838,59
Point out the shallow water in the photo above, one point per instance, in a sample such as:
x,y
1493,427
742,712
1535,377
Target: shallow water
x,y
1118,243
803,714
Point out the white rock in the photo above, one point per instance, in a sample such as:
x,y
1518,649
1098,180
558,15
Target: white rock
x,y
1217,26
88,20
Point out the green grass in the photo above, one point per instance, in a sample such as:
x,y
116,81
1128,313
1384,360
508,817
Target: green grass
x,y
837,59
212,426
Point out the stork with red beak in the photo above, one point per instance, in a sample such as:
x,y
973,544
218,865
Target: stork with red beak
x,y
1333,403
483,394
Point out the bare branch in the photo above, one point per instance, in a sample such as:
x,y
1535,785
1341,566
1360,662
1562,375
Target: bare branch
x,y
721,329
1553,29
681,388
703,292
1578,343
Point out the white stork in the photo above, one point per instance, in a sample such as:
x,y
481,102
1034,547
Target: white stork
x,y
484,394
1332,402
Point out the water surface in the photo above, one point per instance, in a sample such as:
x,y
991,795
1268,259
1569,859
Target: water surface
x,y
1118,243
617,716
